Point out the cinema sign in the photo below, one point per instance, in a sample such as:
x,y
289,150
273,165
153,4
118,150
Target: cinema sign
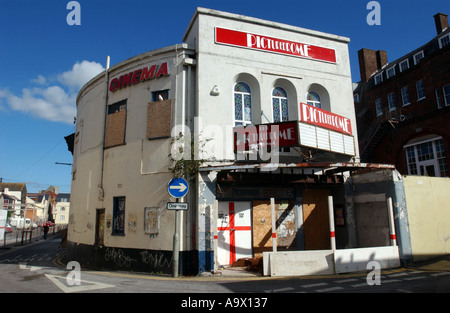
x,y
138,76
312,115
255,137
317,129
275,45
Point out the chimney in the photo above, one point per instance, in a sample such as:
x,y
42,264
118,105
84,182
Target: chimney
x,y
370,61
381,58
441,21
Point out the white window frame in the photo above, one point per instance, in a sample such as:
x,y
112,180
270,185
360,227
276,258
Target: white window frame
x,y
378,107
280,99
314,103
418,56
243,121
391,101
438,98
444,41
401,65
378,78
390,72
420,165
446,95
420,88
405,95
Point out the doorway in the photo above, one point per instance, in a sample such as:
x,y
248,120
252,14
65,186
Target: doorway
x,y
428,168
234,231
100,227
316,224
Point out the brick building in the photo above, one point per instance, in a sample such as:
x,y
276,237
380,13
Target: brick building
x,y
403,107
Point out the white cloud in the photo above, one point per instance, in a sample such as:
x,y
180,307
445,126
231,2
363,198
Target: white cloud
x,y
54,103
40,80
80,74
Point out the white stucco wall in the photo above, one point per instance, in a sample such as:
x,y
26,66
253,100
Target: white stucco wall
x,y
138,169
222,66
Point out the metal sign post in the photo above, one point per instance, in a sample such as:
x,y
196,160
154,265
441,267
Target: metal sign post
x,y
176,245
177,188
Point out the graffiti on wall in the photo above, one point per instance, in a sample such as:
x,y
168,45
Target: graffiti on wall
x,y
154,259
118,257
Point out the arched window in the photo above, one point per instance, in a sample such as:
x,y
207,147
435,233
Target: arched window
x,y
313,98
279,105
242,104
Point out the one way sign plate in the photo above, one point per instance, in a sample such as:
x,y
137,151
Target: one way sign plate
x,y
178,187
177,206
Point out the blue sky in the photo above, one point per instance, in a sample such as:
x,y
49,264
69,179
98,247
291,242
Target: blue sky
x,y
44,61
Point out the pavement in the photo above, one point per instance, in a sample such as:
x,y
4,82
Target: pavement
x,y
437,264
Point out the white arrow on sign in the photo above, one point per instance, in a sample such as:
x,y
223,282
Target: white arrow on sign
x,y
181,187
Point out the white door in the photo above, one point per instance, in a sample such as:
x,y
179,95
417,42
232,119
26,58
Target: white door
x,y
234,231
429,168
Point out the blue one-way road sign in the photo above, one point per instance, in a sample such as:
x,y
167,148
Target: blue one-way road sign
x,y
178,187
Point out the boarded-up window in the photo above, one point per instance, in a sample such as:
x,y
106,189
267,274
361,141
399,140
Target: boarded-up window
x,y
262,226
116,124
159,119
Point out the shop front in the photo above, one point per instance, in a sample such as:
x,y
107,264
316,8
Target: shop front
x,y
310,217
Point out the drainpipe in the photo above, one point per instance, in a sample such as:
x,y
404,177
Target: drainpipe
x,y
186,121
101,192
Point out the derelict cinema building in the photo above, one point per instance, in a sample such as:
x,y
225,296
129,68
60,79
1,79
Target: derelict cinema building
x,y
272,108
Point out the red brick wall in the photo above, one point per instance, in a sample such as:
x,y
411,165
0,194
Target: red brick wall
x,y
422,117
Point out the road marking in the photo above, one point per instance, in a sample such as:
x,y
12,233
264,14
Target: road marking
x,y
85,285
315,285
399,274
346,281
23,266
387,281
414,278
359,285
330,289
440,274
280,289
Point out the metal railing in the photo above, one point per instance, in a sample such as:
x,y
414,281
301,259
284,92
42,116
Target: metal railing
x,y
21,236
387,116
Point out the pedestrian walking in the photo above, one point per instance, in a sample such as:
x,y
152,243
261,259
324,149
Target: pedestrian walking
x,y
46,228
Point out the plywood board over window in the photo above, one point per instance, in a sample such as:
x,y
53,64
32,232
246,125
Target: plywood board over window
x,y
116,120
262,226
159,119
115,129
